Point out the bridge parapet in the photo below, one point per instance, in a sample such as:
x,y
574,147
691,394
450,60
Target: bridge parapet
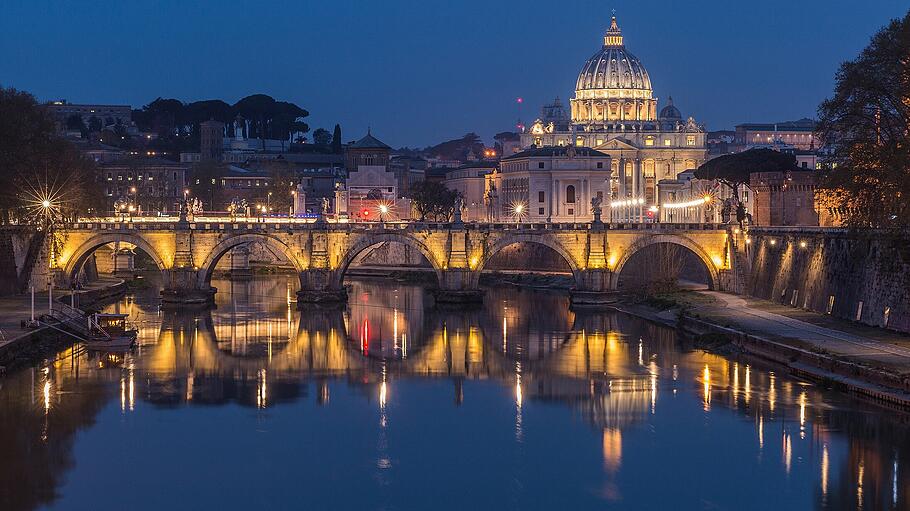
x,y
187,252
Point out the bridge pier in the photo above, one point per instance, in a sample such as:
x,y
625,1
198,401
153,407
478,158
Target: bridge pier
x,y
458,286
321,286
593,288
181,287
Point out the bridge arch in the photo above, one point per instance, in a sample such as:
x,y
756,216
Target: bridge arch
x,y
673,239
372,239
526,238
77,259
211,260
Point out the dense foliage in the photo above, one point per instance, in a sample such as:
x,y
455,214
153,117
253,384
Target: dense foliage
x,y
867,126
38,165
733,170
431,200
259,116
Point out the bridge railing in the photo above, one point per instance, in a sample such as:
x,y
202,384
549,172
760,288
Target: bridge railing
x,y
216,224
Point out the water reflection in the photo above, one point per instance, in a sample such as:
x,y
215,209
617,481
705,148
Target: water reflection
x,y
647,402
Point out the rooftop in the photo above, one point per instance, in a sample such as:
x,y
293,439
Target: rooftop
x,y
556,151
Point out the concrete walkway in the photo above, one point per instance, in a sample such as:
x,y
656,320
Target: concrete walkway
x,y
873,346
15,308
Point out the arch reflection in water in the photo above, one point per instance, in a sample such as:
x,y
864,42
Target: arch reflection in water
x,y
639,390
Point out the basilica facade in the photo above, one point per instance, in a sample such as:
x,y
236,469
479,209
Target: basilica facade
x,y
615,112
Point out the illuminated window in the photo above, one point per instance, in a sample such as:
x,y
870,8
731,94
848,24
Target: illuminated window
x,y
649,141
667,142
690,139
579,141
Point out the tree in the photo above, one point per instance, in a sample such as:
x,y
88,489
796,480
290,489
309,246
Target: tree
x,y
94,124
433,200
281,183
733,170
36,164
866,125
74,122
322,137
336,139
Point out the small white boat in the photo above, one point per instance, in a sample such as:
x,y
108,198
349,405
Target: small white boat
x,y
110,332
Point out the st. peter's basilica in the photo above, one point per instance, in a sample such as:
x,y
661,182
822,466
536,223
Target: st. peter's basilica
x,y
615,112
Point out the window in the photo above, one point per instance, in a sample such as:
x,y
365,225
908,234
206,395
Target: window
x,y
667,142
579,141
571,211
119,177
570,195
690,140
649,141
110,177
539,211
540,165
600,164
540,196
745,195
805,165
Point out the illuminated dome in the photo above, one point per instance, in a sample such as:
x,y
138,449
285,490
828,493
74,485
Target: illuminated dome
x,y
613,68
613,85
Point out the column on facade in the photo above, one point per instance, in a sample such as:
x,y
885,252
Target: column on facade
x,y
555,195
621,168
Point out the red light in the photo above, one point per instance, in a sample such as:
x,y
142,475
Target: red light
x,y
520,100
365,212
650,214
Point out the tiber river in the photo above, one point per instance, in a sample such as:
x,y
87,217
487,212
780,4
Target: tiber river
x,y
390,404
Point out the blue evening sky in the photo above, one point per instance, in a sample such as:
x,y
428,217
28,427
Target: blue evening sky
x,y
420,72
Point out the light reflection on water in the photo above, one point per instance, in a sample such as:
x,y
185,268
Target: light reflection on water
x,y
392,404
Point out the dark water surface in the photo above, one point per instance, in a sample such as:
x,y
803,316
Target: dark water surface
x,y
390,404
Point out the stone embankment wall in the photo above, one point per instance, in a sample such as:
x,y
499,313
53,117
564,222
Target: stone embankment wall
x,y
862,277
21,250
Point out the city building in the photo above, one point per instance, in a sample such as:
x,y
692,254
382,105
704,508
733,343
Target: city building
x,y
101,115
785,198
615,112
798,134
371,188
470,181
151,185
549,184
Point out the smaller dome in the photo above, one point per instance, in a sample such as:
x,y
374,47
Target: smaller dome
x,y
670,111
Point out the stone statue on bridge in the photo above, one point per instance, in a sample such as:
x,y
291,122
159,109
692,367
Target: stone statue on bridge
x,y
596,210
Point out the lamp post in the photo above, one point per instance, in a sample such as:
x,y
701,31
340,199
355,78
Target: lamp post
x,y
383,212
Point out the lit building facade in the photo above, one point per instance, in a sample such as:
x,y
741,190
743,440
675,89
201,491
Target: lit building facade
x,y
470,180
549,184
615,112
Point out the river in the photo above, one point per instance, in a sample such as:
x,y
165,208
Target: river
x,y
390,403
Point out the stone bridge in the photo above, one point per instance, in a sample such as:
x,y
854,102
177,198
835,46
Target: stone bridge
x,y
187,252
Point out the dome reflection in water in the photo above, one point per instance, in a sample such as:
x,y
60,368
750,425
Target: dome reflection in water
x,y
390,402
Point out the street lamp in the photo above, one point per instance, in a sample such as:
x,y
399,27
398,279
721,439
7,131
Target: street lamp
x,y
383,211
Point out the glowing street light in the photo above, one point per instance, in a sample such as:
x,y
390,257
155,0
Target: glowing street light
x,y
383,212
46,204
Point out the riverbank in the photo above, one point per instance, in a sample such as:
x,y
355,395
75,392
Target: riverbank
x,y
21,345
861,360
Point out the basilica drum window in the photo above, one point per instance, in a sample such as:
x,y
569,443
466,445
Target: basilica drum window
x,y
580,141
649,141
570,194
